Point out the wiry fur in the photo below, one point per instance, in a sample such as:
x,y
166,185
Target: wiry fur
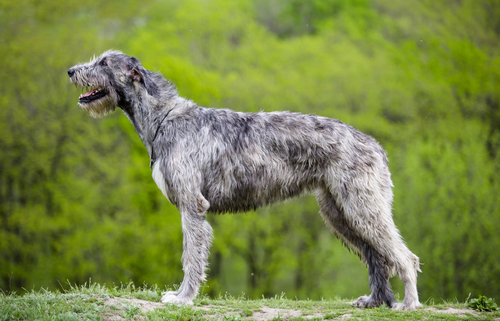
x,y
219,160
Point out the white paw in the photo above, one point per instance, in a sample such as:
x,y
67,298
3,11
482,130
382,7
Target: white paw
x,y
365,302
406,306
172,297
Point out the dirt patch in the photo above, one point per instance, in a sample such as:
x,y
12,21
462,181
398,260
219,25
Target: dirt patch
x,y
118,308
265,313
460,312
144,305
268,313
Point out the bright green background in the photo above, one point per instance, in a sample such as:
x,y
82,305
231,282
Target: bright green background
x,y
422,76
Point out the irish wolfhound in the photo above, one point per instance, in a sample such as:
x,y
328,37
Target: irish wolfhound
x,y
219,160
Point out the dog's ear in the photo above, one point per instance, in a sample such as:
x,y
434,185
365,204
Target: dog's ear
x,y
138,73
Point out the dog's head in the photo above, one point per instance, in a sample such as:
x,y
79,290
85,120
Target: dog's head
x,y
112,80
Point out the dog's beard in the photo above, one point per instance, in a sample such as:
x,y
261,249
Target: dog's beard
x,y
99,107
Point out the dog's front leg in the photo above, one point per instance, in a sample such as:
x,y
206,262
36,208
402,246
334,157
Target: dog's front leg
x,y
197,235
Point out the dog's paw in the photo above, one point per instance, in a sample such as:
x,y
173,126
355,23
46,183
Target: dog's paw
x,y
365,302
407,306
174,298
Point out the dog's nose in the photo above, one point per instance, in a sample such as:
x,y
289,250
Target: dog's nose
x,y
71,72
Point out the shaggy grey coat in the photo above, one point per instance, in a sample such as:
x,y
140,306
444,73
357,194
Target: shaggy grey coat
x,y
219,160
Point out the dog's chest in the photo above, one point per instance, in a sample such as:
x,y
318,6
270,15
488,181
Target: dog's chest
x,y
160,180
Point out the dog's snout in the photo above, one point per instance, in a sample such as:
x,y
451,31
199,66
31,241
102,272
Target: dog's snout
x,y
71,72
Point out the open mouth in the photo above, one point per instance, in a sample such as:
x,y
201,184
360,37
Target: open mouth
x,y
92,95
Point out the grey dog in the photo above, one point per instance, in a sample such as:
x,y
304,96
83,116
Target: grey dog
x,y
219,160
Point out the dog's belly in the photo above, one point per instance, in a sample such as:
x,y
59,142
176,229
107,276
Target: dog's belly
x,y
243,196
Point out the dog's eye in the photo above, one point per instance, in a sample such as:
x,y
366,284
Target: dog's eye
x,y
103,63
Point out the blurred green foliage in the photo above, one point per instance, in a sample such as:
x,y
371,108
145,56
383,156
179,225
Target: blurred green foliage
x,y
422,77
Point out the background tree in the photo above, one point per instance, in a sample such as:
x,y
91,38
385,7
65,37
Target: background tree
x,y
422,77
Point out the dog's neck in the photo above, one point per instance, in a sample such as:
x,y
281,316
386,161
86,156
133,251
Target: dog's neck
x,y
146,123
149,121
145,106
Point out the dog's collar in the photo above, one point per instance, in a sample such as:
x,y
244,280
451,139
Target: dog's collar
x,y
153,156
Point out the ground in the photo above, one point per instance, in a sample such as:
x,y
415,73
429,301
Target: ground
x,y
99,302
223,312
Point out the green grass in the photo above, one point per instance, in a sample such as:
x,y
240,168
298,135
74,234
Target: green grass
x,y
97,302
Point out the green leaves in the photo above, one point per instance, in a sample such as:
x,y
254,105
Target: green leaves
x,y
483,303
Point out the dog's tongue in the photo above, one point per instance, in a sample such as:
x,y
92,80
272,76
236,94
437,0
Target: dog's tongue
x,y
88,94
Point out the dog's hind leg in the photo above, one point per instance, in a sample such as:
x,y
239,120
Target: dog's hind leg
x,y
378,268
197,238
364,199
